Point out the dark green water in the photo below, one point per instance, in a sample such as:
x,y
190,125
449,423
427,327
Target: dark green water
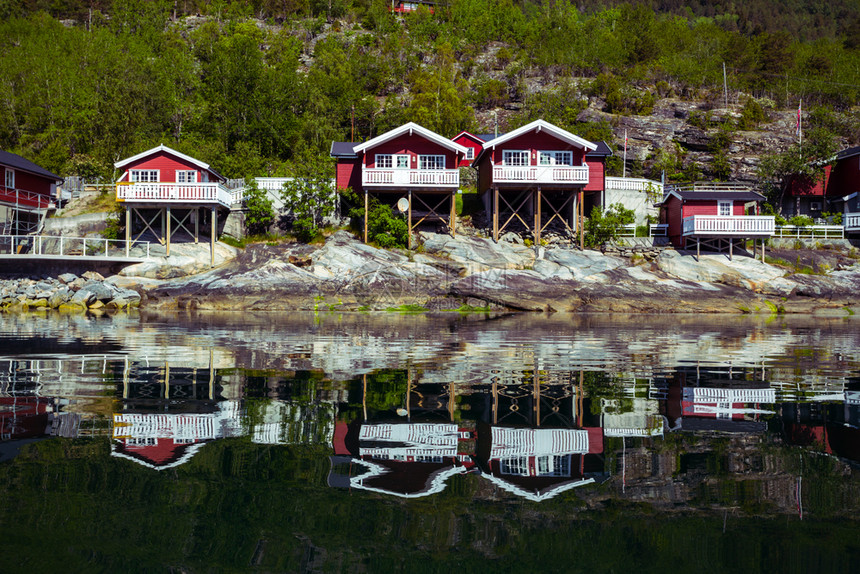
x,y
368,443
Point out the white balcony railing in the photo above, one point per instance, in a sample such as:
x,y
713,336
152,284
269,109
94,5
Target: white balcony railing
x,y
729,225
409,177
634,184
174,193
540,174
851,221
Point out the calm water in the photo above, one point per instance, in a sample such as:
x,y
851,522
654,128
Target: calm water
x,y
366,443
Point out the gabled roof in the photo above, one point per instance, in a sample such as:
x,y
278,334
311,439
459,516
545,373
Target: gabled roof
x,y
164,148
734,195
473,137
846,153
15,161
537,126
410,128
488,137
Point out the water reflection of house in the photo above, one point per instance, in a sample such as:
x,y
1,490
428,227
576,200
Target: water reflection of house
x,y
631,417
280,422
408,460
540,463
719,400
833,427
165,440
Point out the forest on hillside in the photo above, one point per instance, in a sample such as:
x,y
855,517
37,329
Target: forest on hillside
x,y
262,87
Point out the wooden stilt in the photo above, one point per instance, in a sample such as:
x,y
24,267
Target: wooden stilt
x,y
408,220
366,207
698,250
167,234
731,246
453,219
537,219
536,395
211,374
213,236
127,229
196,225
495,392
451,400
762,251
581,222
495,213
166,379
364,395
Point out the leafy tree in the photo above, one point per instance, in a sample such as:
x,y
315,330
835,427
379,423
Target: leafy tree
x,y
385,228
603,226
310,197
259,214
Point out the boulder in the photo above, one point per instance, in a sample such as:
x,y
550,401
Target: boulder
x,y
101,291
59,297
584,264
83,298
67,278
93,276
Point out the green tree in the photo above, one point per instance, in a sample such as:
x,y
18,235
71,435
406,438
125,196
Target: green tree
x,y
310,196
259,214
603,226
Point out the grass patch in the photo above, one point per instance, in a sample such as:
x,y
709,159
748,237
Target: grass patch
x,y
407,309
467,309
849,311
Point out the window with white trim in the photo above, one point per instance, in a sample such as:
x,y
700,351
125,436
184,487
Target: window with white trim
x,y
401,161
143,175
431,162
515,157
186,176
551,465
724,208
470,153
555,157
518,466
384,161
10,178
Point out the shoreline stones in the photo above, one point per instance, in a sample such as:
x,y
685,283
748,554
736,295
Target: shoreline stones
x,y
67,292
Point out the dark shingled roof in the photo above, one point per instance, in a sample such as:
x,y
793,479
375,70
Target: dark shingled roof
x,y
17,162
723,425
852,151
726,195
488,137
602,150
342,149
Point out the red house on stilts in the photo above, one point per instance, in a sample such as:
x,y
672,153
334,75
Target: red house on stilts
x,y
409,162
27,192
539,174
714,215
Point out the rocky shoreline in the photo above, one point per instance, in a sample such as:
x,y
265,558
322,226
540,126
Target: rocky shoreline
x,y
466,273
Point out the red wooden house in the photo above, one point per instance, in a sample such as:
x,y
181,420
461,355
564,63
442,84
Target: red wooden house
x,y
473,144
26,193
538,174
168,192
812,196
713,215
411,5
539,464
409,162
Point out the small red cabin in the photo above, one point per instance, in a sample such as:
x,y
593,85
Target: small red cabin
x,y
473,144
712,214
812,196
411,5
26,192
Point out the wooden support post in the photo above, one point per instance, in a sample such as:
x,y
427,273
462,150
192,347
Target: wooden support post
x,y
454,213
581,222
196,225
731,245
762,251
166,379
364,395
211,374
495,213
213,236
127,229
408,221
167,234
574,206
698,250
452,395
537,220
536,395
366,207
495,392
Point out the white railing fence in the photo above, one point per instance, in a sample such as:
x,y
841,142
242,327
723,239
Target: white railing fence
x,y
175,192
51,245
809,231
375,176
729,225
635,184
540,174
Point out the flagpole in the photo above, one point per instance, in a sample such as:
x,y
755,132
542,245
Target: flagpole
x,y
800,126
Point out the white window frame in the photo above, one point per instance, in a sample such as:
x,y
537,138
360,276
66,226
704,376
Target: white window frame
x,y
186,176
555,157
515,157
134,175
470,153
401,158
431,162
10,178
514,466
725,204
384,158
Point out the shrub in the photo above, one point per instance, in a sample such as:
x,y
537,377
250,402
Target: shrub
x,y
385,228
259,214
605,226
801,221
310,197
